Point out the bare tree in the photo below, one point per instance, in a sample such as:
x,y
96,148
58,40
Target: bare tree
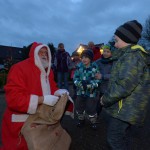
x,y
26,50
53,50
146,30
111,42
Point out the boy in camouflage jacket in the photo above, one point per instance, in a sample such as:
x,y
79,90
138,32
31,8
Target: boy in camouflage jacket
x,y
126,99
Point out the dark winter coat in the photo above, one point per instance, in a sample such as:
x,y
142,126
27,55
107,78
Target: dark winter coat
x,y
105,65
128,91
62,61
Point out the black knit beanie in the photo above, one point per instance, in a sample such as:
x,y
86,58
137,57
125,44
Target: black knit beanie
x,y
129,32
88,53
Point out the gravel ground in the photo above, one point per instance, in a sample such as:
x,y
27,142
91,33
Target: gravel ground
x,y
87,139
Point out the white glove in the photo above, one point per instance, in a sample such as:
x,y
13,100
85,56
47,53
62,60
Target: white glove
x,y
50,100
60,92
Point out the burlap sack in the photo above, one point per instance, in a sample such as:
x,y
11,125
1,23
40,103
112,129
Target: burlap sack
x,y
42,131
51,114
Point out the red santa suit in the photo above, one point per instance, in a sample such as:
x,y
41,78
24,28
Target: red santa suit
x,y
27,80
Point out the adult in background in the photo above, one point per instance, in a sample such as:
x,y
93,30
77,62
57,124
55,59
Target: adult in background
x,y
29,84
125,103
96,50
75,61
62,62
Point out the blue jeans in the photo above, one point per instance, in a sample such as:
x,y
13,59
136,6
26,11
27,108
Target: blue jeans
x,y
118,135
63,77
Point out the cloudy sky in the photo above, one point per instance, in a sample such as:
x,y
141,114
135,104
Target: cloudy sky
x,y
69,21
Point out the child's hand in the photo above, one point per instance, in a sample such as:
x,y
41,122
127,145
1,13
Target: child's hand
x,y
84,84
98,76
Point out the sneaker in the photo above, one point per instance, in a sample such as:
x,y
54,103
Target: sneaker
x,y
80,123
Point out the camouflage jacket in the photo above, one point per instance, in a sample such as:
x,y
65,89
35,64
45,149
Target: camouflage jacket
x,y
129,87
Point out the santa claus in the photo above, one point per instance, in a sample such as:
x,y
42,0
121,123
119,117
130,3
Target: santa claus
x,y
29,84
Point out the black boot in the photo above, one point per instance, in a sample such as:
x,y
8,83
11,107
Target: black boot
x,y
80,123
93,119
94,126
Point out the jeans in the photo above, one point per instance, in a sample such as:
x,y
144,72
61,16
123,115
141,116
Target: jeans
x,y
118,135
63,77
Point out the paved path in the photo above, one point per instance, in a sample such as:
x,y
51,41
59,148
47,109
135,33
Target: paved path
x,y
87,139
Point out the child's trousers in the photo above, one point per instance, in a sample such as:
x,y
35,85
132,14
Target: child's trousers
x,y
86,105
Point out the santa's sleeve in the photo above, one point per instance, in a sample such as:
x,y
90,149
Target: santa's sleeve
x,y
16,91
70,107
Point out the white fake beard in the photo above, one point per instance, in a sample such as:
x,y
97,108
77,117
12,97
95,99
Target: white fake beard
x,y
44,62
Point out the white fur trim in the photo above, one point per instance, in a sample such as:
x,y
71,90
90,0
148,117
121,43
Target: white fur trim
x,y
19,118
71,114
37,59
45,84
44,75
33,104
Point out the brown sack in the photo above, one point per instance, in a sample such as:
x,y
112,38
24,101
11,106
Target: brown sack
x,y
51,114
42,131
46,137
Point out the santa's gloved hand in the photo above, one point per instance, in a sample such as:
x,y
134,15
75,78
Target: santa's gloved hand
x,y
50,100
61,91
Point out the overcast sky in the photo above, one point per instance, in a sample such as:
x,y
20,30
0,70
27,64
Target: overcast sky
x,y
69,21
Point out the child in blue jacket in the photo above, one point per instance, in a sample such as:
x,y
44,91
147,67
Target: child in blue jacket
x,y
87,88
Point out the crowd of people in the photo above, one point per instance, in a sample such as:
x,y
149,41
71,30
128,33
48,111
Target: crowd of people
x,y
113,82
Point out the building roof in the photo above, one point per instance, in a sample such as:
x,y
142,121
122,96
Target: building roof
x,y
8,51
